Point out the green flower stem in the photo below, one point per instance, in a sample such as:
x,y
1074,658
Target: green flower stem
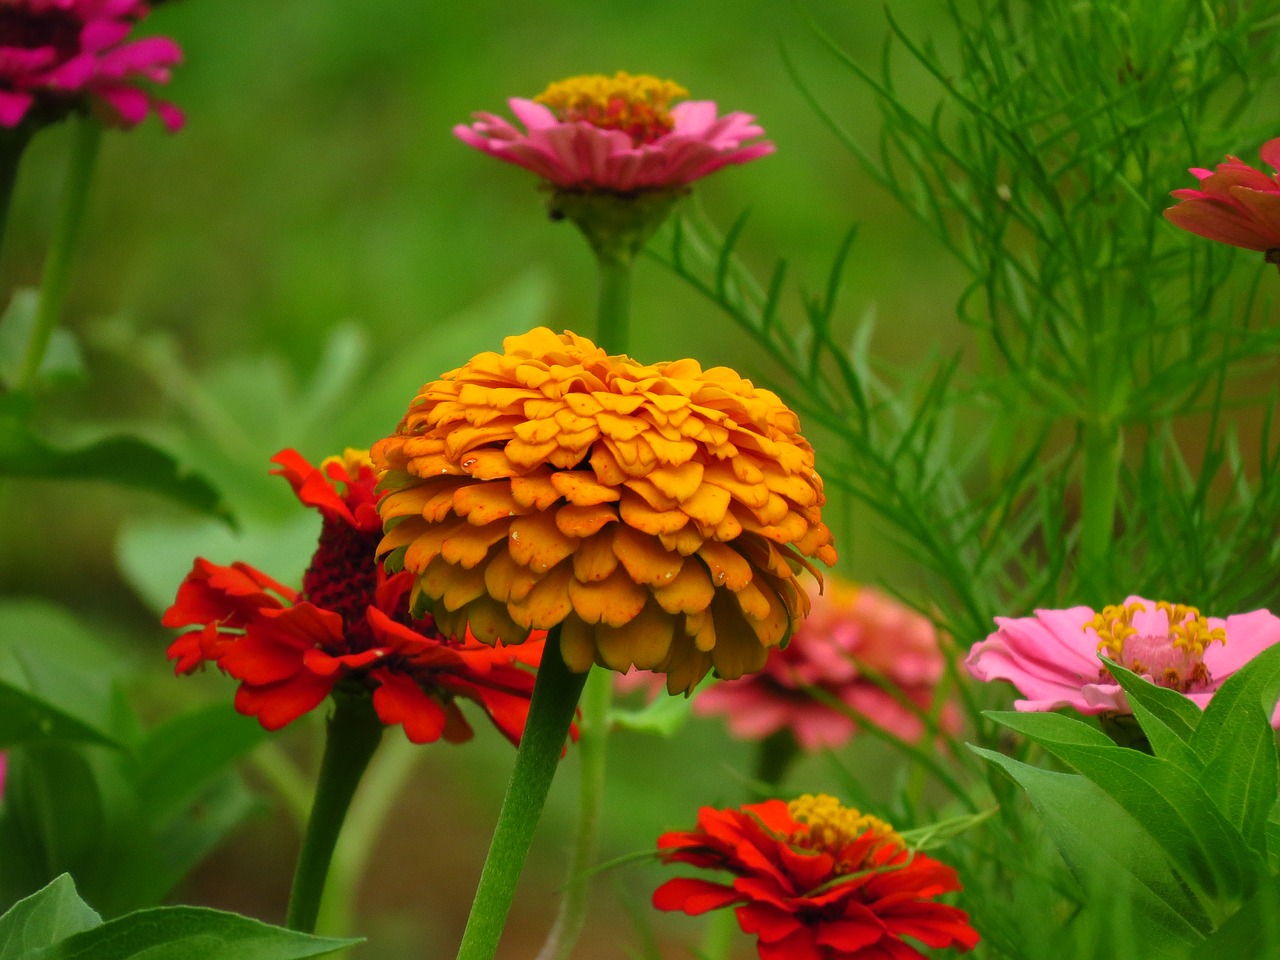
x,y
774,755
1103,451
613,311
555,697
352,736
593,749
13,143
86,138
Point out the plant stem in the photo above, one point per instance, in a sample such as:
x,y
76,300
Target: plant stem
x,y
613,308
86,137
13,143
593,750
352,736
555,696
1103,450
774,755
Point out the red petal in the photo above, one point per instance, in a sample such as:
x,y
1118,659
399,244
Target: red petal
x,y
399,700
278,704
693,896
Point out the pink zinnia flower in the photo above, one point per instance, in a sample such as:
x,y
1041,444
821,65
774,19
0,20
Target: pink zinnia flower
x,y
851,631
1235,204
1052,657
57,55
617,134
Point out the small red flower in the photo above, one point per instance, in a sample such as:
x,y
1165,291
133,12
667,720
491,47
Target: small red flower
x,y
816,881
1235,204
58,55
350,624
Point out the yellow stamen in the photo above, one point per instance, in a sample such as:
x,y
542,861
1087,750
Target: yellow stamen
x,y
1113,626
638,105
352,460
831,828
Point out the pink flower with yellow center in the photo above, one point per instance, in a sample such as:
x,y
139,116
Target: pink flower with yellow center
x,y
1235,204
61,55
1053,657
617,134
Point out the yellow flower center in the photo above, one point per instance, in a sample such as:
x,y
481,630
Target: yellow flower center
x,y
639,106
830,828
352,460
1170,653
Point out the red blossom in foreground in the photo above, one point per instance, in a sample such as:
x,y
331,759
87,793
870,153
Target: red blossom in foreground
x,y
350,624
852,637
816,881
1235,204
58,55
617,134
1052,657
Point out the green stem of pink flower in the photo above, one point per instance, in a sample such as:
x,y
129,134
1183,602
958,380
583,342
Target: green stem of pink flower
x,y
13,143
86,138
1103,452
352,736
613,310
555,697
592,750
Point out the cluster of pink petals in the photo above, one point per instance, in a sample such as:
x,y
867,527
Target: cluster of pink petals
x,y
851,634
59,54
576,155
1053,660
1235,204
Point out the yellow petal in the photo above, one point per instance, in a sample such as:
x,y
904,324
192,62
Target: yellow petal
x,y
643,642
579,522
728,568
547,603
537,543
483,503
577,644
468,547
594,559
535,490
580,487
678,482
615,600
645,558
689,591
636,513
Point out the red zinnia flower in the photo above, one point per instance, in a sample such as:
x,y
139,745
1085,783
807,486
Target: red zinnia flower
x,y
350,624
56,55
1235,204
816,881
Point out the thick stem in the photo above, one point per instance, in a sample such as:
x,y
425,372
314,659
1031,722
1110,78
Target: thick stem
x,y
1103,450
593,750
352,736
86,137
613,310
555,697
774,755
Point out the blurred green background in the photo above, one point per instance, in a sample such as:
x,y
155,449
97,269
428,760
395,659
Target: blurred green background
x,y
314,245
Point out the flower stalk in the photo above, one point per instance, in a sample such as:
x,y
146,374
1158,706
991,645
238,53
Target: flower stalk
x,y
555,698
13,143
86,138
353,734
1103,451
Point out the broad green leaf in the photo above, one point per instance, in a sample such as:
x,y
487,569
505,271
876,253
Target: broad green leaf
x,y
1167,717
62,361
1252,932
123,460
25,717
1238,746
665,715
46,917
188,933
1101,842
1172,805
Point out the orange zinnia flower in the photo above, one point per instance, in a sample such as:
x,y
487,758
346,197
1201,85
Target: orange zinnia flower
x,y
350,627
658,514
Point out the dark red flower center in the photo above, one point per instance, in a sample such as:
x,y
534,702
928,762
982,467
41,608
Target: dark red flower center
x,y
343,577
48,28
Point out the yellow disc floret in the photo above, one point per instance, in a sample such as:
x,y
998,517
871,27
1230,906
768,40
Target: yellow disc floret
x,y
639,106
1189,630
831,828
1114,625
352,460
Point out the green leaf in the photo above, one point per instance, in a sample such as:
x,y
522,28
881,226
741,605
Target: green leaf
x,y
25,717
1103,845
1253,931
123,460
1238,746
188,933
936,834
1171,804
45,918
665,715
1167,717
62,361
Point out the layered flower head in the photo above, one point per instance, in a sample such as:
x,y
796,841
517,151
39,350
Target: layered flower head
x,y
1235,204
658,514
617,134
1053,657
60,55
852,635
814,880
349,625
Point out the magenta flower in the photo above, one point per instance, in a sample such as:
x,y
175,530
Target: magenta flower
x,y
58,55
851,632
617,135
1235,204
1052,657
